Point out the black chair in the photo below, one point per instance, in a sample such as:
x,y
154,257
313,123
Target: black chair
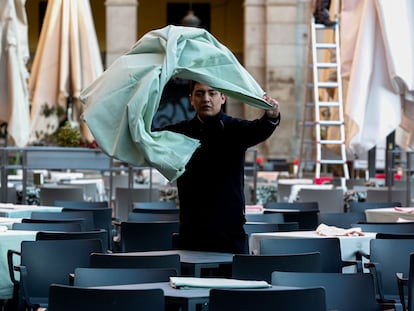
x,y
344,291
269,217
155,205
48,226
81,204
309,299
80,222
304,213
388,257
88,277
255,227
47,262
101,235
69,298
156,215
329,248
386,227
329,200
125,260
87,215
147,236
102,219
51,193
394,236
358,206
260,267
406,286
342,220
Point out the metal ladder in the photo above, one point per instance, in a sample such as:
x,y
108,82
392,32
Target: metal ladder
x,y
324,146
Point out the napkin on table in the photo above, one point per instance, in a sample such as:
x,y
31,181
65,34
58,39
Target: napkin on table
x,y
193,282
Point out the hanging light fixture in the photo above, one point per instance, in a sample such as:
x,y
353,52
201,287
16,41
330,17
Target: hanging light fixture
x,y
191,20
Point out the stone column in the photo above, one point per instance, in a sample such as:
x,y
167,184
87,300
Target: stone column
x,y
121,27
276,45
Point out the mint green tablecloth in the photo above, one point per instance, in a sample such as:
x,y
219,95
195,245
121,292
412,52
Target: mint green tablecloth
x,y
10,239
121,103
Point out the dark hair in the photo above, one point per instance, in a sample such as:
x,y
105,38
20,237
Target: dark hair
x,y
192,84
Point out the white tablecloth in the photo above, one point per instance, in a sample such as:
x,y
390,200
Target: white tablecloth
x,y
294,192
349,244
10,239
24,211
389,214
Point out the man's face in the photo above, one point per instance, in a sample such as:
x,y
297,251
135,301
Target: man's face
x,y
206,101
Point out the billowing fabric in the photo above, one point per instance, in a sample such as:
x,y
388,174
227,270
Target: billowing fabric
x,y
122,102
378,58
14,54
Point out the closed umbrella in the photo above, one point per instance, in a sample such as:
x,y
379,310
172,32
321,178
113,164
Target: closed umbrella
x,y
121,103
67,59
380,65
14,54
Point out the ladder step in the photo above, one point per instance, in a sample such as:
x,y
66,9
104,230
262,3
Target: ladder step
x,y
325,45
322,26
330,104
327,85
330,161
330,122
327,65
323,104
332,142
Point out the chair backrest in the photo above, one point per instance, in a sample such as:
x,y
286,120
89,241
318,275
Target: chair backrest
x,y
310,299
302,206
410,286
79,221
68,298
256,227
49,226
381,195
393,256
342,220
81,204
125,260
160,215
329,200
386,227
329,248
51,193
269,217
304,213
51,261
260,267
101,235
147,236
356,206
88,277
156,205
124,198
344,291
102,218
87,215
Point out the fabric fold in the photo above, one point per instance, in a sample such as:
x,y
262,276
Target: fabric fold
x,y
120,105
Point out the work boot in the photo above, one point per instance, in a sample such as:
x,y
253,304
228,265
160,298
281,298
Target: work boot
x,y
321,13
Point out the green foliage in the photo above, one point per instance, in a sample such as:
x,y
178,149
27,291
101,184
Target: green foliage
x,y
68,136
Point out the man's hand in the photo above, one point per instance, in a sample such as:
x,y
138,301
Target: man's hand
x,y
272,113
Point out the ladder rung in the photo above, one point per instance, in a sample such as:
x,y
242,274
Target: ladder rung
x,y
329,104
326,65
327,84
330,122
322,26
325,45
325,161
332,142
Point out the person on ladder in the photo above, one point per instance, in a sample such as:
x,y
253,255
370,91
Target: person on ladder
x,y
321,13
